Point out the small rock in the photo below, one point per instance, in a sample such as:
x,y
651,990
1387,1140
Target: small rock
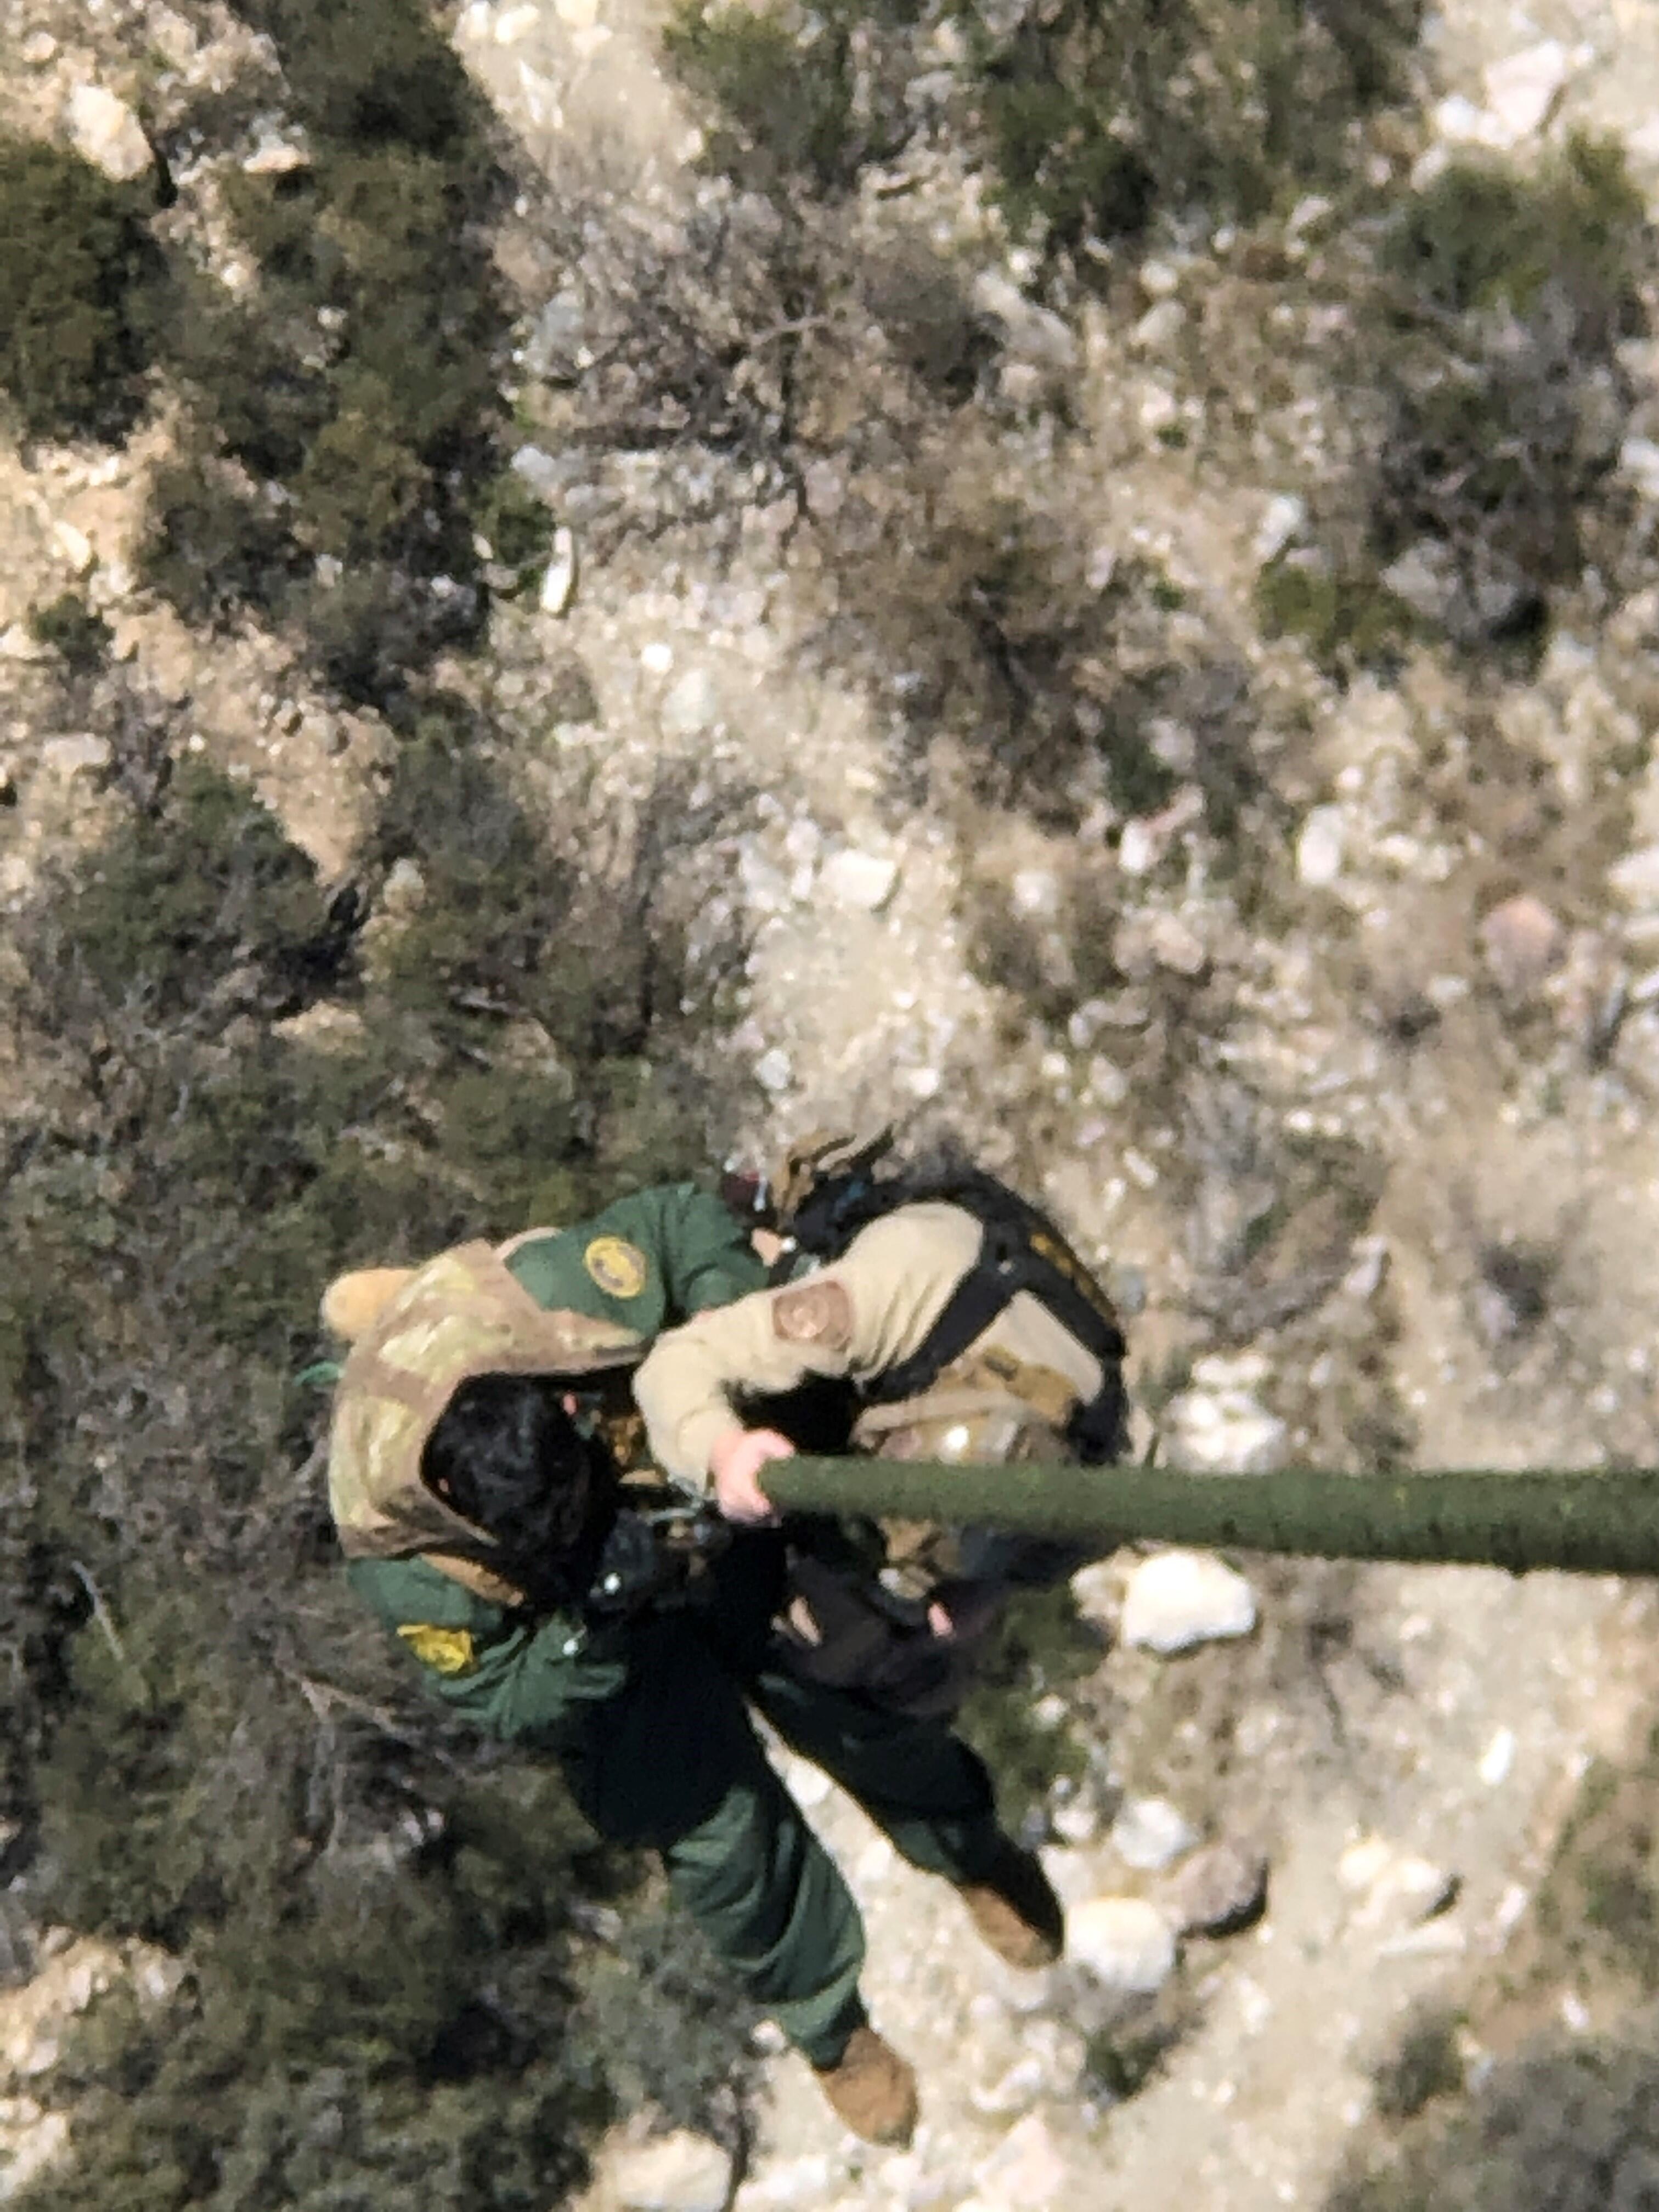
x,y
78,756
1634,879
1157,408
75,546
1638,459
1400,1889
1320,847
1107,1085
861,881
1180,1599
1075,1822
37,50
515,24
1150,1833
405,887
1125,1943
657,658
1097,1591
1220,1889
1035,893
105,132
1025,2171
275,157
1497,1758
1159,326
825,488
774,1070
692,706
677,2173
1282,517
1421,578
1522,941
1225,1432
560,581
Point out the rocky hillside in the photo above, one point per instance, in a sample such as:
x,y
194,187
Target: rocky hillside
x,y
583,590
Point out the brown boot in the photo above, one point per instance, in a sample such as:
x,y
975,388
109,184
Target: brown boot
x,y
873,2090
1016,1911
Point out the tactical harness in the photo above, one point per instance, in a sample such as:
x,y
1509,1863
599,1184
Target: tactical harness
x,y
1021,1250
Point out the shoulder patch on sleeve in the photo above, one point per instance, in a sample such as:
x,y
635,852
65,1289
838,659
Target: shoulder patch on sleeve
x,y
814,1313
619,1267
446,1650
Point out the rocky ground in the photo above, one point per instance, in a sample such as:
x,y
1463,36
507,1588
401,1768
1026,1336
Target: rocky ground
x,y
1367,1132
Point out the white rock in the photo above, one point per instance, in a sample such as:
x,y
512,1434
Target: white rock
x,y
1159,326
774,1071
1636,877
1282,517
1097,1590
105,132
1125,1943
1151,1833
860,881
19,642
1157,408
1523,88
657,658
1638,459
1025,2173
77,756
1159,279
1320,846
1035,892
560,581
275,157
1108,1085
1498,1758
677,2173
1075,1822
515,24
692,706
1397,1889
75,546
1225,1432
1179,1599
37,50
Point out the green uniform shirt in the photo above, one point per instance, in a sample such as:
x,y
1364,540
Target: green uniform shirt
x,y
647,1262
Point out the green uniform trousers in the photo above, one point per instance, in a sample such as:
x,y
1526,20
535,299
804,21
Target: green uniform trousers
x,y
672,1761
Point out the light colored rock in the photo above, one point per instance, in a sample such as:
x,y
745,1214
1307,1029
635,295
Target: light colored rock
x,y
860,881
1180,1599
1033,335
1497,1758
1035,893
1282,517
1522,941
1025,2173
676,2173
1396,1889
19,642
1321,845
1636,877
105,131
1638,459
1225,1432
657,658
1124,1943
1150,1833
513,24
1159,326
1106,1084
559,582
775,1071
37,50
692,706
275,157
74,545
1221,1888
83,755
1097,1591
1076,1822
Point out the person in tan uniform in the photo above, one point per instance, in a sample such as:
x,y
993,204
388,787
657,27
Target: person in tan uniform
x,y
966,1329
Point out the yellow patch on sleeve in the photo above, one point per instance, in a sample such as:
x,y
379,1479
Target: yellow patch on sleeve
x,y
619,1267
446,1650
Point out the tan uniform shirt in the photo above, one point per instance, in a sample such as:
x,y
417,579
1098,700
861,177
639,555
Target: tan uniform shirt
x,y
859,1318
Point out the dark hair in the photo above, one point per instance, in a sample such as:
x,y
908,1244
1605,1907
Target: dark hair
x,y
509,1458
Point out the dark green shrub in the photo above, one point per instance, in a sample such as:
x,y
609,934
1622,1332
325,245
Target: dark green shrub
x,y
1425,2062
1098,112
1041,1644
212,546
1492,348
1347,621
78,283
789,95
76,632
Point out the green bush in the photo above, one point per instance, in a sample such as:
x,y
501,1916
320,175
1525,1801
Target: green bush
x,y
1491,341
76,632
79,277
1347,621
1041,1644
1098,113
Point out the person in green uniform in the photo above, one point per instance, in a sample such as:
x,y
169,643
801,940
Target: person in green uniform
x,y
478,1447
